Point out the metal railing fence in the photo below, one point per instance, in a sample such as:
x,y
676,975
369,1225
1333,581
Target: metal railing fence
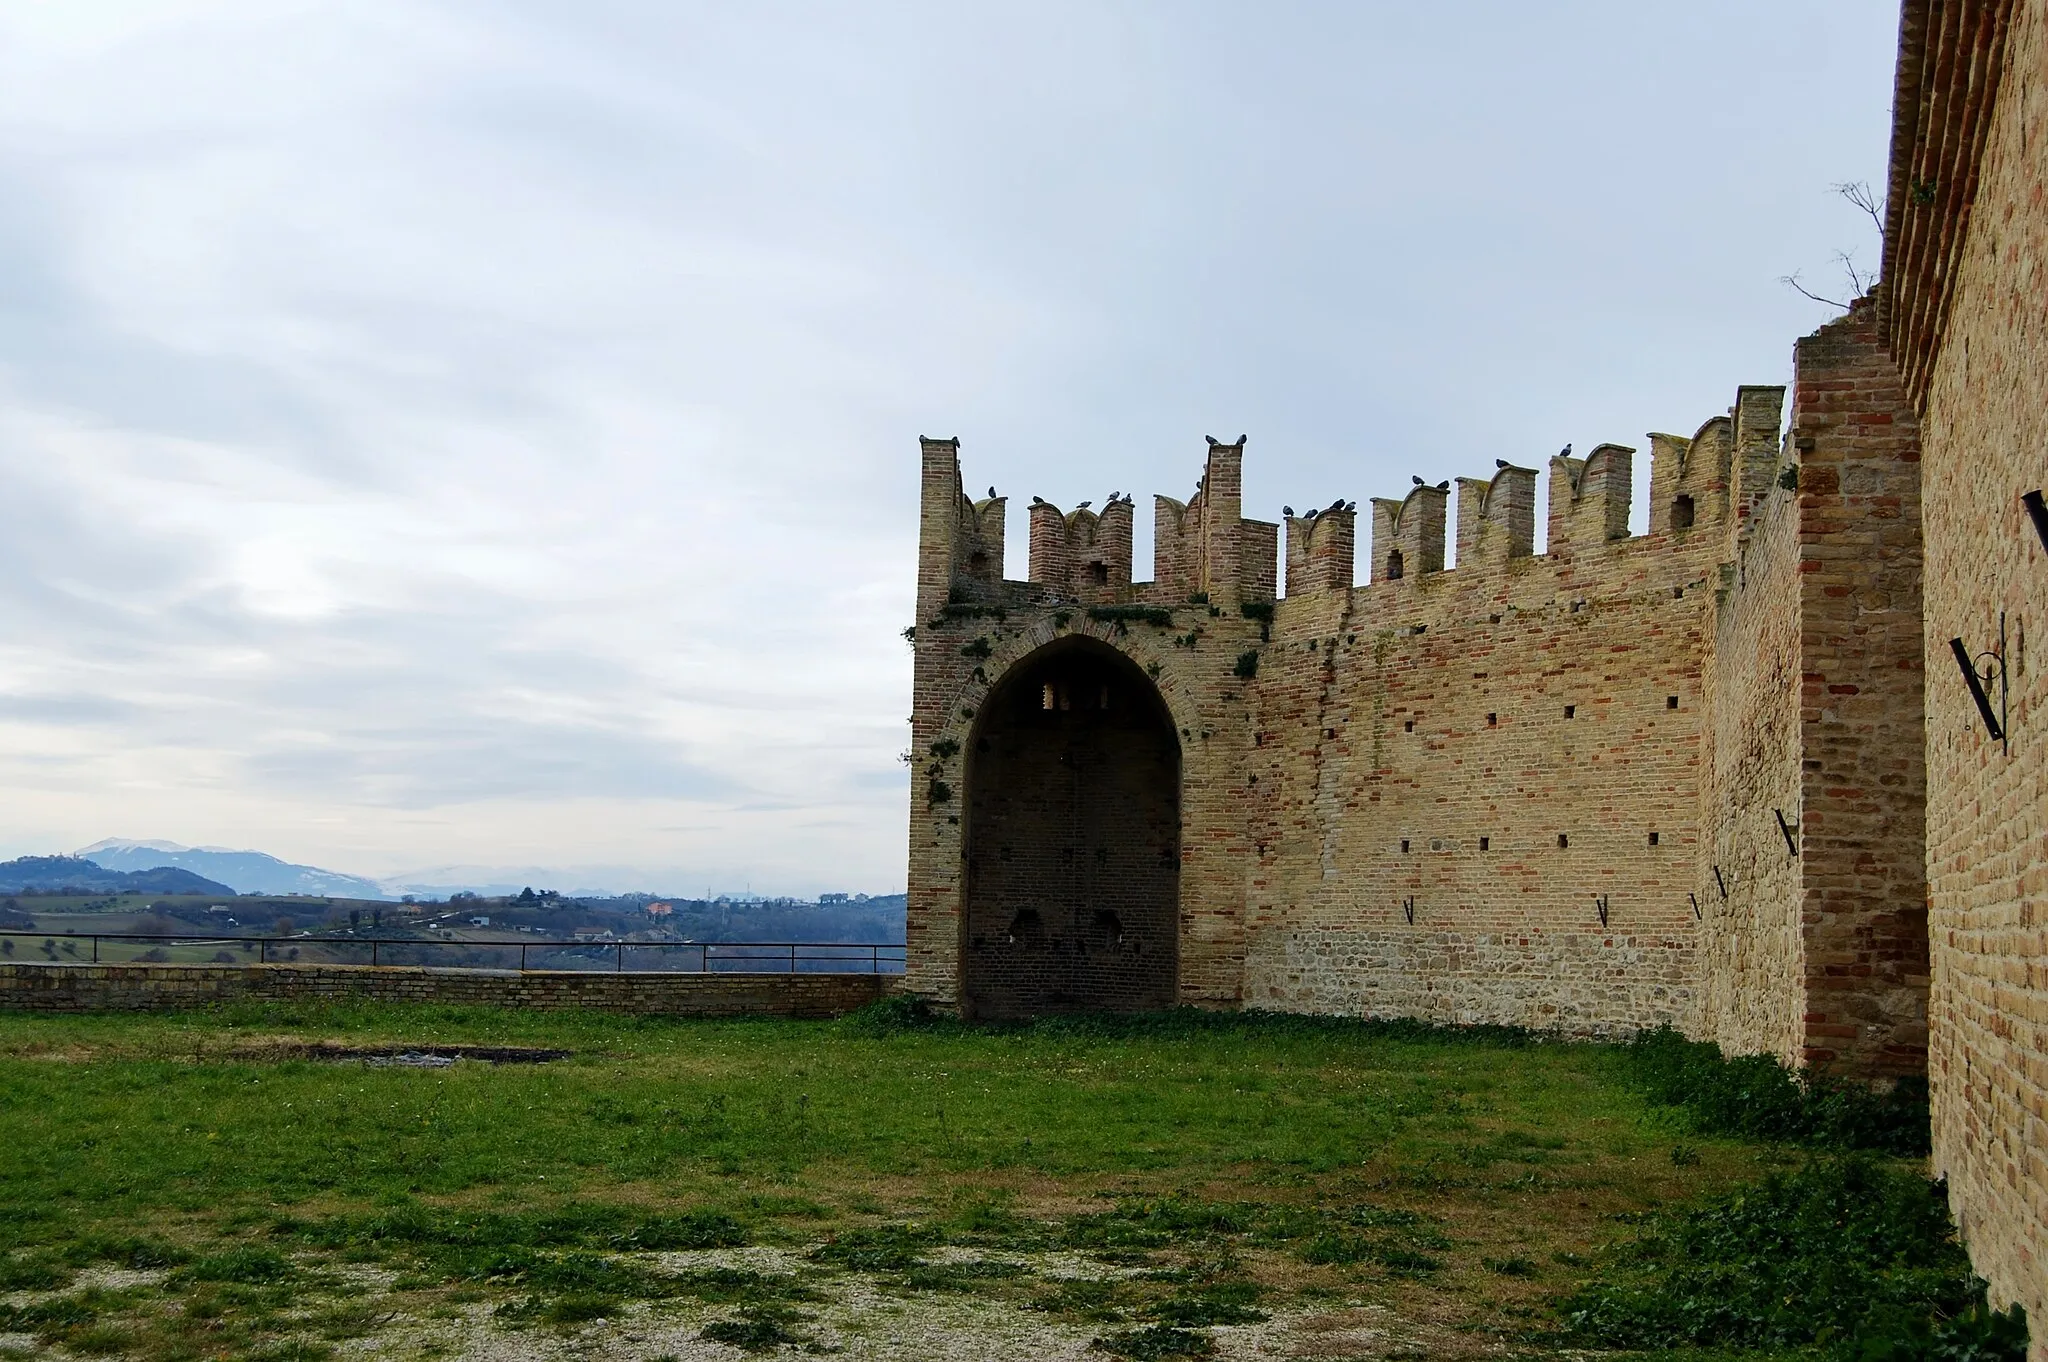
x,y
529,956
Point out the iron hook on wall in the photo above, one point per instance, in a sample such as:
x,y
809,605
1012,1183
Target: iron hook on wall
x,y
1720,884
1993,672
1408,907
1697,915
2039,512
1791,842
1600,902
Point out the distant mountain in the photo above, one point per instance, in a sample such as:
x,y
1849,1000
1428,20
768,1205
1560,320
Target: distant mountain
x,y
71,872
250,872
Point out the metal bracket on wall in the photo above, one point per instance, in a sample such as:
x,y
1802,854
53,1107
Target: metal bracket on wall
x,y
1720,884
1697,915
1408,907
1993,672
1600,902
2039,512
1791,842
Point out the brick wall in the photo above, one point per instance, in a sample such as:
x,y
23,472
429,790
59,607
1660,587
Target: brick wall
x,y
158,988
1477,714
1752,954
1863,901
1985,430
1497,750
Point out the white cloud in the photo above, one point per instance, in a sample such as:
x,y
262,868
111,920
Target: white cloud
x,y
451,432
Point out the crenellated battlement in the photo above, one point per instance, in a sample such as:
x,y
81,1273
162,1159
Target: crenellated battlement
x,y
1408,535
1589,498
1497,517
1322,550
1083,553
1205,547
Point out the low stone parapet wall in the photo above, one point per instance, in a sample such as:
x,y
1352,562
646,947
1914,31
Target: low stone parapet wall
x,y
156,988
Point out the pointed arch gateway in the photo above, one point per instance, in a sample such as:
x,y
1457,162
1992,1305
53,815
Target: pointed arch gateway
x,y
1072,844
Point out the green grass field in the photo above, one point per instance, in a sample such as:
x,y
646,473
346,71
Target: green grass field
x,y
189,1187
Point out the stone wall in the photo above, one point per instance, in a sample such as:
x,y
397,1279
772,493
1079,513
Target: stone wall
x,y
1985,432
158,988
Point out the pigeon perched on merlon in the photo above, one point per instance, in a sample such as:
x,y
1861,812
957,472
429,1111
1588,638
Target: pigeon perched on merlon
x,y
1287,511
1083,505
991,494
1500,463
1565,453
1417,481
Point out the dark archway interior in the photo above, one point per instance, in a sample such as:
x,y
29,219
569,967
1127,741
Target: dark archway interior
x,y
1073,840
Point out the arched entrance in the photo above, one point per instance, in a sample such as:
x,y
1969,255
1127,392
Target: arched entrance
x,y
1073,840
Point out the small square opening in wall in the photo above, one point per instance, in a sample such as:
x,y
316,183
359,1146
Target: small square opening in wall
x,y
1492,720
1485,843
1671,702
1563,841
1408,727
1404,844
1653,839
1571,711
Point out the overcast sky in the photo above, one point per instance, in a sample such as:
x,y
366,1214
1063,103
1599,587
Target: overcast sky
x,y
486,433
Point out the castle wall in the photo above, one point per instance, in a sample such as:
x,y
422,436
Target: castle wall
x,y
1426,742
1985,430
1862,796
1187,650
1753,960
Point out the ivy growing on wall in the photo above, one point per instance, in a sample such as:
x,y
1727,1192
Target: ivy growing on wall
x,y
1142,614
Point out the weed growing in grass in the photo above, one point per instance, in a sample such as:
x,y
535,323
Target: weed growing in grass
x,y
1226,1303
757,1329
33,1272
969,1277
1756,1097
245,1263
879,1248
1846,1253
459,1237
1156,1340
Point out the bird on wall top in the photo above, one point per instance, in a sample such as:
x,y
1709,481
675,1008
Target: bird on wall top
x,y
1350,505
1213,441
1083,505
1336,505
1444,486
1565,453
1500,463
1417,481
991,494
1037,500
1287,511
